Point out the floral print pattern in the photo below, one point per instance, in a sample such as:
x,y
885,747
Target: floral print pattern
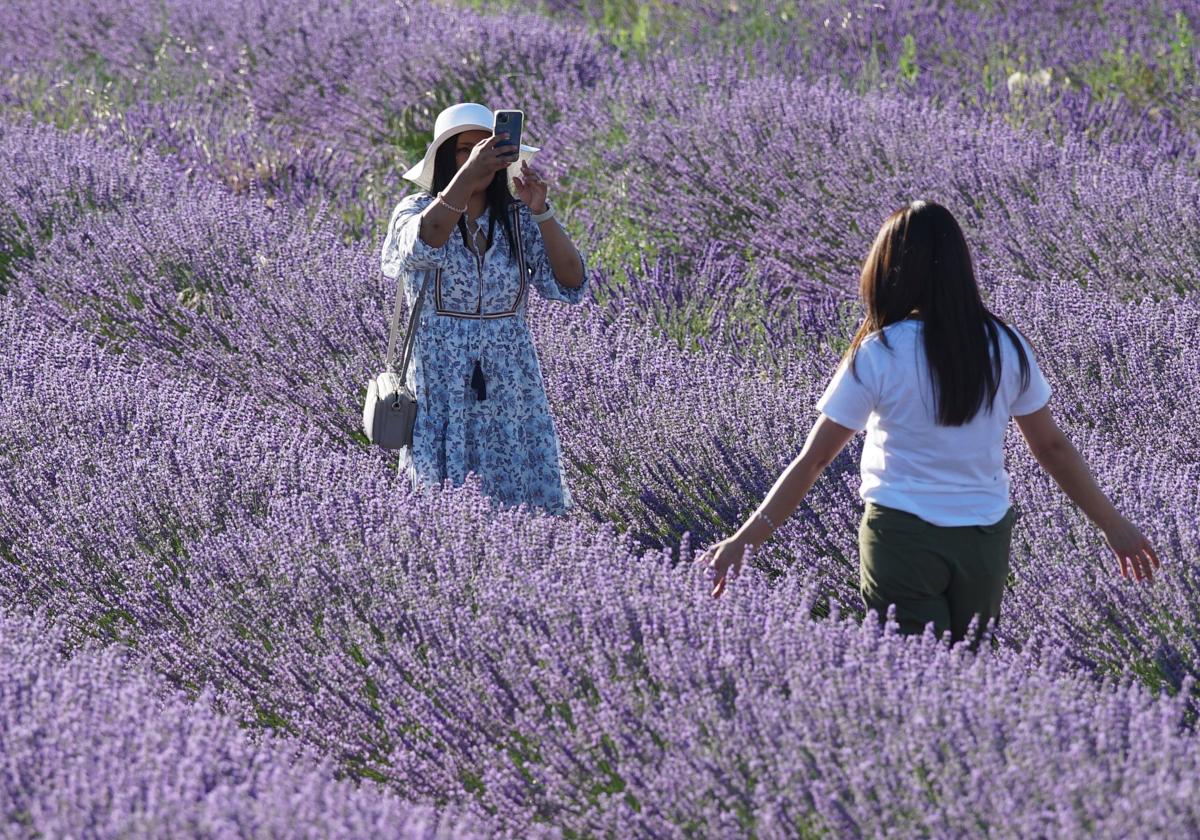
x,y
508,439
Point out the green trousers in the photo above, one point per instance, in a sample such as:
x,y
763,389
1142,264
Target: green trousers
x,y
944,575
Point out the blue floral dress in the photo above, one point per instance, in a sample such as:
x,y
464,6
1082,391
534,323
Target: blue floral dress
x,y
508,438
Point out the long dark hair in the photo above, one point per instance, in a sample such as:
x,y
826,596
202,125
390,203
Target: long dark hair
x,y
919,267
499,198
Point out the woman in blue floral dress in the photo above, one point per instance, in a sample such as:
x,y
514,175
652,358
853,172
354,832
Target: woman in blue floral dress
x,y
482,403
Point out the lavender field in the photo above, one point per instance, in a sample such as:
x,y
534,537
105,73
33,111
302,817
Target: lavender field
x,y
222,614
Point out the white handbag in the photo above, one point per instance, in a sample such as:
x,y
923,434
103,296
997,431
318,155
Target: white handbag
x,y
390,409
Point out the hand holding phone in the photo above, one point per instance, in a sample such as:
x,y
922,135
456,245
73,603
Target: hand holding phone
x,y
487,158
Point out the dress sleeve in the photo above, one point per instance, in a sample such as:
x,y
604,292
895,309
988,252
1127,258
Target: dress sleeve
x,y
403,247
848,399
537,261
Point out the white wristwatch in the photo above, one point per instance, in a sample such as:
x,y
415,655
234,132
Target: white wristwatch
x,y
541,217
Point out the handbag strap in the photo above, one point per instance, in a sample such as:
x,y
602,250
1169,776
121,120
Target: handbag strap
x,y
516,212
411,336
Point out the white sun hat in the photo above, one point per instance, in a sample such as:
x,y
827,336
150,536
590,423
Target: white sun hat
x,y
466,116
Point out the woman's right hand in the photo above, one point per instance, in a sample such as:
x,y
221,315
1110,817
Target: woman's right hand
x,y
486,160
723,560
1133,550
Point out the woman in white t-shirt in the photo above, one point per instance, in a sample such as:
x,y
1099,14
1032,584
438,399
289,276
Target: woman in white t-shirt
x,y
933,377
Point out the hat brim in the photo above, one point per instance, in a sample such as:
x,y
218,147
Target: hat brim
x,y
422,173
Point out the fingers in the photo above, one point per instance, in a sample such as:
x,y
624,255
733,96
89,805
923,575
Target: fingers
x,y
733,571
708,559
719,587
1138,565
504,149
1148,562
1149,549
723,561
722,580
531,174
1136,555
722,572
1126,568
494,156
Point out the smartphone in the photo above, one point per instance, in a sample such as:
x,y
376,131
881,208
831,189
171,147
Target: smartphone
x,y
510,123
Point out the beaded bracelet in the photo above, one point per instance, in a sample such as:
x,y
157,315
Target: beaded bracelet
x,y
766,519
449,206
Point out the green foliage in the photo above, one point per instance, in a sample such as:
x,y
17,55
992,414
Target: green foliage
x,y
1182,59
118,625
1147,80
628,24
269,719
909,69
15,246
472,783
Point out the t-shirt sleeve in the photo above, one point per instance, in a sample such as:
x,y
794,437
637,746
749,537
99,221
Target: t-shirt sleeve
x,y
848,399
1037,393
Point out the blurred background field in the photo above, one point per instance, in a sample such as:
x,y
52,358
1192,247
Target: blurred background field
x,y
192,201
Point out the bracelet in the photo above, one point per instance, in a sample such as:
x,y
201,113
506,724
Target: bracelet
x,y
442,198
766,519
541,217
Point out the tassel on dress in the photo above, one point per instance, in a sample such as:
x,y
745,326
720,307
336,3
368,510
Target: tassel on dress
x,y
478,382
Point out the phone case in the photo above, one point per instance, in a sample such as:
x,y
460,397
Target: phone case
x,y
511,122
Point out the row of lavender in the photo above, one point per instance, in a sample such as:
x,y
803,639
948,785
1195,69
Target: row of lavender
x,y
254,559
784,208
310,101
545,673
789,201
214,348
97,745
319,110
1116,72
314,101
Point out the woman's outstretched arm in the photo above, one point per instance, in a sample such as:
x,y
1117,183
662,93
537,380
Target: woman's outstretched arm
x,y
565,260
825,441
1059,457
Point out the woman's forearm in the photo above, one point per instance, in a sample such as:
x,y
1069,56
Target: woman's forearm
x,y
1068,469
439,219
781,501
565,261
825,441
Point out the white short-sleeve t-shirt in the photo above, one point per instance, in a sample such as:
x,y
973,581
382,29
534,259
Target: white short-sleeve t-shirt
x,y
947,475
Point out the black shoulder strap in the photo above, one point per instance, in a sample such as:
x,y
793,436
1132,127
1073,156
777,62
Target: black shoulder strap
x,y
521,264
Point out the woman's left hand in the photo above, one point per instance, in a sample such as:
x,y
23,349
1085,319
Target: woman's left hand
x,y
531,189
724,557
